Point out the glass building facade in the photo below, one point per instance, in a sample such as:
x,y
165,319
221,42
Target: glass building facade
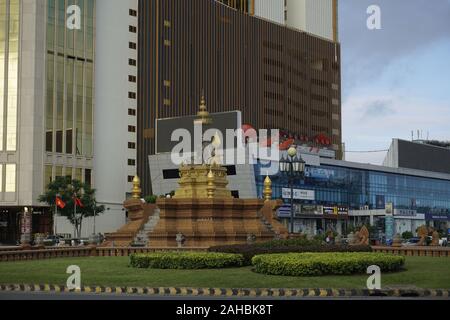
x,y
9,66
359,188
69,107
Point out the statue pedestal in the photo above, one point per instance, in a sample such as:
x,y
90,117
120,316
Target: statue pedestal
x,y
209,222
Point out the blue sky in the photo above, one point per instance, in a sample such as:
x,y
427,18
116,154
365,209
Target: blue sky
x,y
396,79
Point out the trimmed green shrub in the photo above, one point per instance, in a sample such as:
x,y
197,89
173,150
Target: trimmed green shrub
x,y
249,251
150,199
297,242
407,235
185,260
316,264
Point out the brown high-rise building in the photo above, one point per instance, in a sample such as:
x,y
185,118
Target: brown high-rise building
x,y
277,76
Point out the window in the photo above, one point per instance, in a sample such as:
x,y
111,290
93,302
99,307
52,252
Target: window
x,y
132,29
59,141
10,178
132,45
88,176
131,78
130,178
132,62
131,162
133,13
49,141
131,112
131,145
132,95
69,141
131,129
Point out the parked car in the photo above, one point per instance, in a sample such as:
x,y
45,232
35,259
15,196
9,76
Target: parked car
x,y
411,241
53,240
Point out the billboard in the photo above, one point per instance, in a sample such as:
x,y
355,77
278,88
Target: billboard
x,y
420,156
165,127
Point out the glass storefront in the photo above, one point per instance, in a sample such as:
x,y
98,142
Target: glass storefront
x,y
358,188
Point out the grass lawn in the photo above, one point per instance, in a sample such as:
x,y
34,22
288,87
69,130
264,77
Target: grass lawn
x,y
422,272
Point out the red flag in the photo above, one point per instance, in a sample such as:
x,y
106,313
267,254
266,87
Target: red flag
x,y
59,203
78,202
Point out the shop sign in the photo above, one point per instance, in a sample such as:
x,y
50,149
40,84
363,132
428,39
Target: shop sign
x,y
319,173
405,212
335,210
26,224
299,194
437,217
308,210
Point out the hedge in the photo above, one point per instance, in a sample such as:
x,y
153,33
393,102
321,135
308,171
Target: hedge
x,y
316,264
249,251
185,260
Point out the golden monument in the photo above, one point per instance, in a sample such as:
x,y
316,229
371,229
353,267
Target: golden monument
x,y
204,211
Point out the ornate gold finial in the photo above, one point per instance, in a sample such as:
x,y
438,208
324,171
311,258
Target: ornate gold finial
x,y
203,114
136,191
211,187
267,189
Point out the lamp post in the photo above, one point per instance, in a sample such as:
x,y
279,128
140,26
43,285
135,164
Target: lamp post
x,y
95,208
292,167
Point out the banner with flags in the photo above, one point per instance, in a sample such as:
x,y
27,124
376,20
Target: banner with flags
x,y
59,203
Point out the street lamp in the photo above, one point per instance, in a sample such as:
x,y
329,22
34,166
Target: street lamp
x,y
293,167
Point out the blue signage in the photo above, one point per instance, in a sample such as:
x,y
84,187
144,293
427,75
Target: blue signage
x,y
389,227
437,217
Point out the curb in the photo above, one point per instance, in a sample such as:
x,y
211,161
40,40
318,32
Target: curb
x,y
222,292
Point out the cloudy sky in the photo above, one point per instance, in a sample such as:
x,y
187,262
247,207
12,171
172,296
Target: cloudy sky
x,y
396,79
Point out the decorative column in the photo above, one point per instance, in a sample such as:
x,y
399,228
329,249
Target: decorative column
x,y
211,188
267,189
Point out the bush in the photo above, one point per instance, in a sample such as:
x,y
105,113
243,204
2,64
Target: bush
x,y
185,260
407,235
249,251
316,264
150,199
297,242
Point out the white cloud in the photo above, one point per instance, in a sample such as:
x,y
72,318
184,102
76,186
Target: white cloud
x,y
365,129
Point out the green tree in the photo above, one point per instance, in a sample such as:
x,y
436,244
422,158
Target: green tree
x,y
67,189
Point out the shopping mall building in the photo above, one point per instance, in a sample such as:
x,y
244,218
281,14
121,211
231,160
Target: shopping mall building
x,y
336,194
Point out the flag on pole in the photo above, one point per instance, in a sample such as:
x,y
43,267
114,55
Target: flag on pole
x,y
59,203
78,202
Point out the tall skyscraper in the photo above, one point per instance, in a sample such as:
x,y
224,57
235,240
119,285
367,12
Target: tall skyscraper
x,y
115,105
278,77
318,17
51,108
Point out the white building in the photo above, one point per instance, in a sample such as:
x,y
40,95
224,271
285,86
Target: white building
x,y
67,106
318,17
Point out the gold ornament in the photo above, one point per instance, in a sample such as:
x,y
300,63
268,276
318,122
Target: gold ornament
x,y
267,189
136,191
211,187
